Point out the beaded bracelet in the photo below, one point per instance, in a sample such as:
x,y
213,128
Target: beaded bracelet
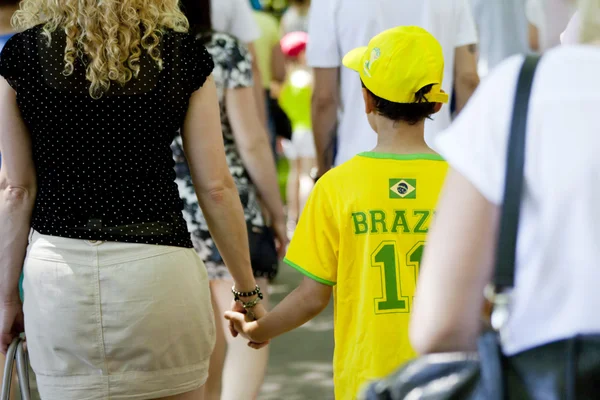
x,y
255,292
251,304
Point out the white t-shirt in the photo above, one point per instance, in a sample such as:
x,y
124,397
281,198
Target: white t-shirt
x,y
293,21
338,26
551,18
573,30
558,249
236,18
502,28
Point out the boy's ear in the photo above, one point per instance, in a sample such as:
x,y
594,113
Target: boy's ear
x,y
437,108
369,101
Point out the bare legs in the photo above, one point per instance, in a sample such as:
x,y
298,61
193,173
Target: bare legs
x,y
236,371
306,182
293,193
299,186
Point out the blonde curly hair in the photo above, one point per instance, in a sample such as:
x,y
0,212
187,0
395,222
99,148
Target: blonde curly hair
x,y
110,34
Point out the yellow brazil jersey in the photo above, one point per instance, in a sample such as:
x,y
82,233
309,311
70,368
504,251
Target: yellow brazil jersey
x,y
363,231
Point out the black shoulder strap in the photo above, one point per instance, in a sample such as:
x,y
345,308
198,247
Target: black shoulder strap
x,y
513,188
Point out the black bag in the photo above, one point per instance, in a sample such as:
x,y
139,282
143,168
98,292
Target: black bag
x,y
263,252
281,123
565,369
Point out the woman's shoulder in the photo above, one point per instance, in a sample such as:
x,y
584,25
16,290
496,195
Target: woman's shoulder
x,y
23,37
175,39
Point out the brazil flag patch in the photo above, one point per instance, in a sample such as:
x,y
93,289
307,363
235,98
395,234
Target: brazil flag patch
x,y
403,188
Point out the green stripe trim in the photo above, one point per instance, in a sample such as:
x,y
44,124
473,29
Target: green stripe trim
x,y
305,272
391,156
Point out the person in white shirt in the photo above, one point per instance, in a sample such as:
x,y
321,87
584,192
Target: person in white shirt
x,y
556,284
547,20
338,26
571,33
236,17
295,18
502,29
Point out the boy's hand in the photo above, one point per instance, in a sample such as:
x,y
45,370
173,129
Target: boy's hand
x,y
245,327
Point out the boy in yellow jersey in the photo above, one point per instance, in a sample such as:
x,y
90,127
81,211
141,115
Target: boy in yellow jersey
x,y
363,231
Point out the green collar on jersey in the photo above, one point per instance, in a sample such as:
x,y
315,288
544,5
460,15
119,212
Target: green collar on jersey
x,y
391,156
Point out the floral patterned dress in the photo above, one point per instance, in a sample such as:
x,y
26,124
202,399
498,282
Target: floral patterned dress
x,y
233,69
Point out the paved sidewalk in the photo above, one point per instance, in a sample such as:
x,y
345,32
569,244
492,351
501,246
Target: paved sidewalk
x,y
300,367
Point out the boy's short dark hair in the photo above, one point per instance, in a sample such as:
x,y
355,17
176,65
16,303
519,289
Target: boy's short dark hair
x,y
411,113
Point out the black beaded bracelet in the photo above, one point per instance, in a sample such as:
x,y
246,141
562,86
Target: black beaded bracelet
x,y
255,292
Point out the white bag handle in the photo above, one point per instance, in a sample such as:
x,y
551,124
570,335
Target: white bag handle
x,y
16,353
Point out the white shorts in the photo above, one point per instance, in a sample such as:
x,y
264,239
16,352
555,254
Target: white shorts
x,y
302,145
108,320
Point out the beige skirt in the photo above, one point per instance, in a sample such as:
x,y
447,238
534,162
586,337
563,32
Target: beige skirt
x,y
107,320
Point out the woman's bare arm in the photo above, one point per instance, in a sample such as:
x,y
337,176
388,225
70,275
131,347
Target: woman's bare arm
x,y
457,264
215,189
259,91
17,193
252,141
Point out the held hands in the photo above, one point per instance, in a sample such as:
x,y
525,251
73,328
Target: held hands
x,y
246,309
242,324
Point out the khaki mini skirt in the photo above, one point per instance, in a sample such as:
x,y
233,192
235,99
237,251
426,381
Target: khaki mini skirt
x,y
108,320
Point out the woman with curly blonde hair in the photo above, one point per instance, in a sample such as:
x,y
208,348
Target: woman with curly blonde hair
x,y
117,303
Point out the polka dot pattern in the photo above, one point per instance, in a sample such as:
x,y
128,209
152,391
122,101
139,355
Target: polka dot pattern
x,y
105,168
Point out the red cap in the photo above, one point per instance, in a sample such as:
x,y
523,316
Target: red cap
x,y
294,43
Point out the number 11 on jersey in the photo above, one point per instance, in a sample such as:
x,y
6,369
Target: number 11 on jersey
x,y
387,259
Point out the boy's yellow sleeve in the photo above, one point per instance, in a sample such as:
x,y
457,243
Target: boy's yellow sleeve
x,y
314,247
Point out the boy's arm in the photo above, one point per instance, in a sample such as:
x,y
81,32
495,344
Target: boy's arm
x,y
314,253
299,307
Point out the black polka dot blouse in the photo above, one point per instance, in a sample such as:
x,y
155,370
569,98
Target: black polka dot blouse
x,y
105,169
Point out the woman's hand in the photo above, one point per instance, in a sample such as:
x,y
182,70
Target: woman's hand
x,y
244,325
257,312
11,322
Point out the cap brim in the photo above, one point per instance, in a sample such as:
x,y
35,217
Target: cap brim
x,y
439,97
354,58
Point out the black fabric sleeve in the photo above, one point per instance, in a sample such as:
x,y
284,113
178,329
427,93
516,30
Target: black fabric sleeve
x,y
10,61
200,62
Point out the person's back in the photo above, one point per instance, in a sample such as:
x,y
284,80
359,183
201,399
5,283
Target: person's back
x,y
555,295
558,237
381,206
547,20
364,227
89,210
374,210
502,28
342,25
107,152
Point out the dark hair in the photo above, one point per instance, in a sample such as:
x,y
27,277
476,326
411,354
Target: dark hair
x,y
411,113
9,2
198,14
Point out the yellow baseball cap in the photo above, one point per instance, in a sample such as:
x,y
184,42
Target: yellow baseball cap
x,y
398,63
